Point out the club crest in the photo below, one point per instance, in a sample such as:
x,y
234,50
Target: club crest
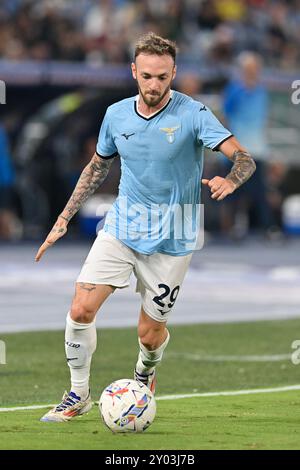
x,y
170,133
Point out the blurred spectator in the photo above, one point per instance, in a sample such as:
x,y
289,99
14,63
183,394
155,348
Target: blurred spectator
x,y
277,189
246,113
208,17
231,10
189,83
246,105
7,217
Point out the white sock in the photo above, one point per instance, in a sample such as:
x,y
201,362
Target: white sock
x,y
80,344
148,360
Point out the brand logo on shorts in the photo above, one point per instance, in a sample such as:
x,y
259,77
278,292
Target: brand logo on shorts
x,y
163,313
170,133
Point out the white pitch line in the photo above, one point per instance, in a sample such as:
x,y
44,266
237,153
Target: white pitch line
x,y
229,393
232,358
184,395
31,407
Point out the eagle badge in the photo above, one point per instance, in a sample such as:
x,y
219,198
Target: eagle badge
x,y
170,133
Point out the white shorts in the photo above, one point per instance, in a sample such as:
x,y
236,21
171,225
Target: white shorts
x,y
159,276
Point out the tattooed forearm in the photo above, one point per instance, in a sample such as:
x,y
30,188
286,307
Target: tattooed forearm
x,y
59,230
243,167
90,179
65,218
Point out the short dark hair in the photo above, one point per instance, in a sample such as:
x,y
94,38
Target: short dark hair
x,y
151,43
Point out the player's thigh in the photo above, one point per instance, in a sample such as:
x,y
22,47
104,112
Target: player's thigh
x,y
108,266
159,279
109,263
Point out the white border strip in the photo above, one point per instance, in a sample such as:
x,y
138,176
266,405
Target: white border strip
x,y
187,395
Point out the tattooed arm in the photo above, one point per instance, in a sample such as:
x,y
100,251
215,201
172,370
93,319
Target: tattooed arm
x,y
90,179
242,169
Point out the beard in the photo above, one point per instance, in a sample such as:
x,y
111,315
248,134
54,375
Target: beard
x,y
153,98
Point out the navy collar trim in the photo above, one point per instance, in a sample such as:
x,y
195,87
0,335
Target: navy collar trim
x,y
152,115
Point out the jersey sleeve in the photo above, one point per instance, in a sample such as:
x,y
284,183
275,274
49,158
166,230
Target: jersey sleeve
x,y
105,146
208,128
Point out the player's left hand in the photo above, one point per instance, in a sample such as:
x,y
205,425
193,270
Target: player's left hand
x,y
59,229
219,187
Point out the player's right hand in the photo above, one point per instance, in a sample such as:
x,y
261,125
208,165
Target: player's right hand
x,y
59,229
219,187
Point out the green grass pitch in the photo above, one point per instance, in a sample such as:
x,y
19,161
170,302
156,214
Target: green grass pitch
x,y
36,373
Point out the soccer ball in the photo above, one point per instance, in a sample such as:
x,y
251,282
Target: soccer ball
x,y
127,405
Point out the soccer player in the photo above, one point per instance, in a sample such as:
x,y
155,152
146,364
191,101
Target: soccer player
x,y
159,135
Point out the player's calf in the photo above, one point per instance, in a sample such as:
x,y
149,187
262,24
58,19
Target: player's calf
x,y
147,362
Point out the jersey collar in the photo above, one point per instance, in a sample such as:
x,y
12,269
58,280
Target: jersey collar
x,y
151,116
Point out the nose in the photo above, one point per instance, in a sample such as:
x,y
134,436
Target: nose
x,y
154,85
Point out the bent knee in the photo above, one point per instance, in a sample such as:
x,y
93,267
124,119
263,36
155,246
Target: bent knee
x,y
81,313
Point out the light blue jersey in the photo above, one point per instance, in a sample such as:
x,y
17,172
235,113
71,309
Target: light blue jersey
x,y
161,168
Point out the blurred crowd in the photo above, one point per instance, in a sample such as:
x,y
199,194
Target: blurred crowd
x,y
100,31
208,33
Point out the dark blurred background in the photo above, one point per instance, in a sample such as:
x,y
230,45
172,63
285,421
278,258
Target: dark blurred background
x,y
64,61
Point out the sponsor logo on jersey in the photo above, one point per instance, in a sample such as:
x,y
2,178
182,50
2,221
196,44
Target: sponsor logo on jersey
x,y
127,135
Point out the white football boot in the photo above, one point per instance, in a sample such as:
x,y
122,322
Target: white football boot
x,y
70,407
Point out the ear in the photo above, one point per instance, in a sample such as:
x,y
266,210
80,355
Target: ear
x,y
174,72
133,70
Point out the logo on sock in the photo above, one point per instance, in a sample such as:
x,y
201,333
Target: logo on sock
x,y
73,345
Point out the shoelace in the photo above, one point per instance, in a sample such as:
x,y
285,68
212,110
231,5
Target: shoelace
x,y
68,401
143,378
